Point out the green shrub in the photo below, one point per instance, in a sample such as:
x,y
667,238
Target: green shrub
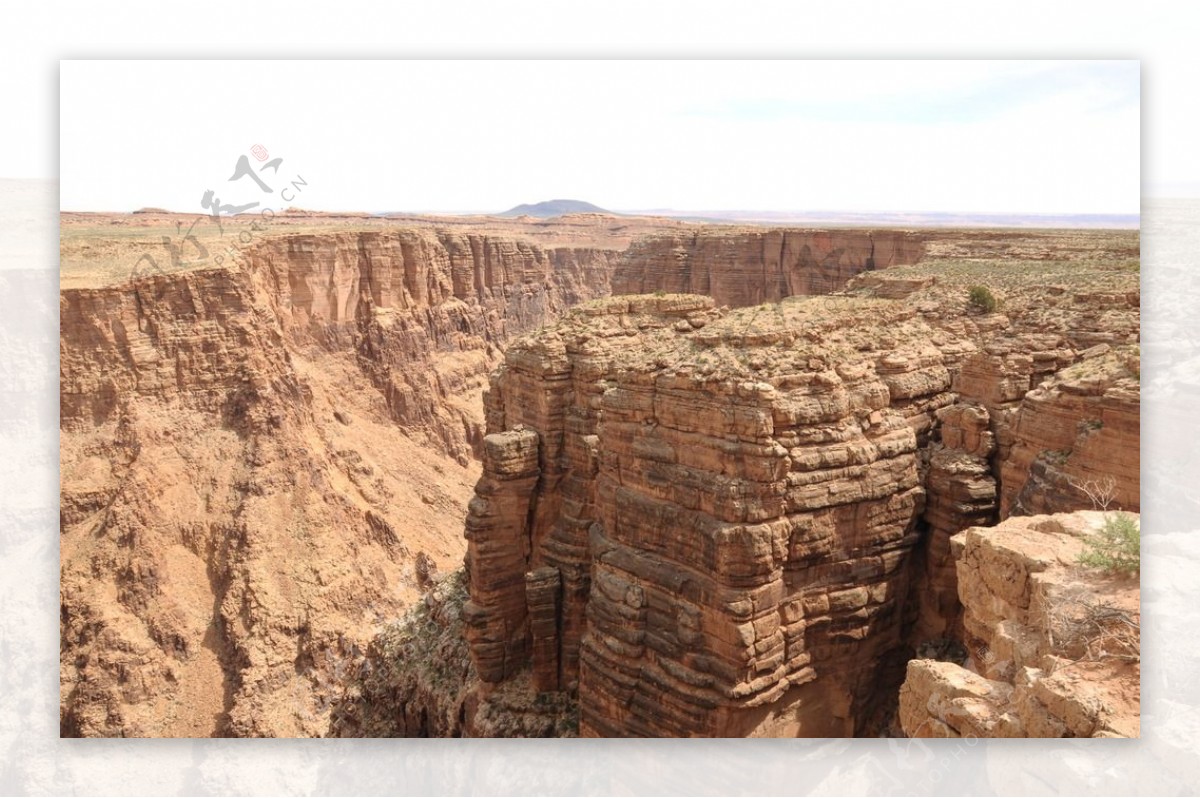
x,y
1118,546
983,298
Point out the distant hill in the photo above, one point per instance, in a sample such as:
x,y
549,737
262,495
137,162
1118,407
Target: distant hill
x,y
554,208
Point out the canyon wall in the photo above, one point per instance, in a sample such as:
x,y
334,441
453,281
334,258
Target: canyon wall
x,y
425,312
1075,438
715,523
747,267
262,463
689,520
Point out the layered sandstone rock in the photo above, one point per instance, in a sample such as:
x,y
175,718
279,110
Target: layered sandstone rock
x,y
196,338
254,466
1047,388
961,492
1053,645
729,503
1076,439
732,558
425,312
690,522
747,267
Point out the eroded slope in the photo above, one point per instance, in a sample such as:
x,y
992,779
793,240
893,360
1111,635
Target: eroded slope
x,y
263,463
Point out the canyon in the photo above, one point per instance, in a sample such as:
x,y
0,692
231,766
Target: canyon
x,y
713,479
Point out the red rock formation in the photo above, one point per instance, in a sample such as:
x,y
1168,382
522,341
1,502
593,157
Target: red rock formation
x,y
739,267
1075,439
425,312
1033,381
961,493
498,550
240,508
729,509
1053,646
730,503
698,523
197,338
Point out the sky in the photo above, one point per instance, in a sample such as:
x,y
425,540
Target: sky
x,y
460,136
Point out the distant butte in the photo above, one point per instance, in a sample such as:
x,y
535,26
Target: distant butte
x,y
557,207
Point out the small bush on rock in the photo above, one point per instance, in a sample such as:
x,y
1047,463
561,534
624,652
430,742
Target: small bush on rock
x,y
983,298
1118,547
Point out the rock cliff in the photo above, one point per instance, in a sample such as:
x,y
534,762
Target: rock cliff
x,y
1052,646
425,312
715,512
739,267
263,463
685,520
710,522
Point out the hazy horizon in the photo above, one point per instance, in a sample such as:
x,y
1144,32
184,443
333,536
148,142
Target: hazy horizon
x,y
468,211
825,216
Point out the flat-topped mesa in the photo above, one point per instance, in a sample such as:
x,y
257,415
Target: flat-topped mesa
x,y
729,501
742,267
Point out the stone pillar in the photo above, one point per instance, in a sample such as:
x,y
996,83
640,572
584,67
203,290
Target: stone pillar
x,y
498,554
961,492
543,590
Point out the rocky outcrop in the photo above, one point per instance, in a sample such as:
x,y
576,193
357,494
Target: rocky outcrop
x,y
1052,645
729,504
1046,417
961,492
739,267
750,514
498,550
1076,439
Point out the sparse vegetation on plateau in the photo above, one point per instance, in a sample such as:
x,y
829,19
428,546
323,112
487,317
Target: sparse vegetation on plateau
x,y
983,298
